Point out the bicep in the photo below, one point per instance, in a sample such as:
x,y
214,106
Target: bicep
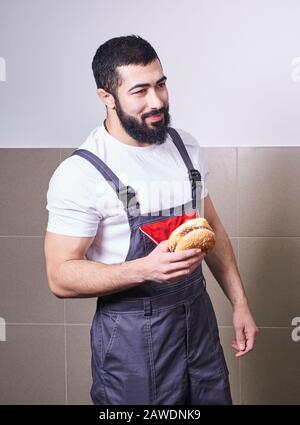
x,y
211,215
60,248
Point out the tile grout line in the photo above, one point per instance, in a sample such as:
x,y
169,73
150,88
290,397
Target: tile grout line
x,y
240,381
231,237
65,344
238,254
21,236
88,324
65,336
48,324
237,191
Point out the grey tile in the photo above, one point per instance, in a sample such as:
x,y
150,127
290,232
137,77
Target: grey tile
x,y
222,185
25,296
226,335
32,365
270,374
269,199
79,375
24,177
270,270
80,310
222,305
66,152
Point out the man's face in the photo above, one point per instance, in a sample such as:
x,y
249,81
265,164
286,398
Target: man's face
x,y
142,103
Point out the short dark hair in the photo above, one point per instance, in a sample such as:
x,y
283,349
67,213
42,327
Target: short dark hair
x,y
125,50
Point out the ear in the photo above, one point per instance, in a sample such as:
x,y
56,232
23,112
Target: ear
x,y
107,98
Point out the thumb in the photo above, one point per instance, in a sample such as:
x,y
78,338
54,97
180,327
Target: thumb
x,y
240,339
164,246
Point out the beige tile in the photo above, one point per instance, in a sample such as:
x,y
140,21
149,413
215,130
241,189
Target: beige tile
x,y
79,375
66,152
80,310
220,302
222,185
25,296
226,335
270,270
269,199
24,177
270,374
32,365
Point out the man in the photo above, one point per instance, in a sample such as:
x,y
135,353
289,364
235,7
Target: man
x,y
154,336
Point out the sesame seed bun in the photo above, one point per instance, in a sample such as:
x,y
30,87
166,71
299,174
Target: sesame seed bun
x,y
195,233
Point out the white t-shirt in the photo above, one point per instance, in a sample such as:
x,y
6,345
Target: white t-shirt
x,y
80,202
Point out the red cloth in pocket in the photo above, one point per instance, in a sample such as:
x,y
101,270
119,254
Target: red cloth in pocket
x,y
159,231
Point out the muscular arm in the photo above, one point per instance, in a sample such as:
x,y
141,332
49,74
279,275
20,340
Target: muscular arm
x,y
221,260
71,275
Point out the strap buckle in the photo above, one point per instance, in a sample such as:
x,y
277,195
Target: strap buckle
x,y
126,194
194,175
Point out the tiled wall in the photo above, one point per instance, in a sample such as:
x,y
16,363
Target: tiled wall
x,y
46,356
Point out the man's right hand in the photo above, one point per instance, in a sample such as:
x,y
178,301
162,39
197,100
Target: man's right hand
x,y
163,266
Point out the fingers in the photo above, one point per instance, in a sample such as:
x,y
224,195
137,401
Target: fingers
x,y
176,275
179,255
249,342
240,339
187,264
174,257
164,246
239,344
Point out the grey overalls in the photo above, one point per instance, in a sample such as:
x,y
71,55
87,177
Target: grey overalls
x,y
157,343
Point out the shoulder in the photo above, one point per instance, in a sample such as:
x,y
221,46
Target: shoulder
x,y
75,169
192,145
74,176
188,138
195,151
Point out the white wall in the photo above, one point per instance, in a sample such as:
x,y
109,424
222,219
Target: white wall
x,y
231,75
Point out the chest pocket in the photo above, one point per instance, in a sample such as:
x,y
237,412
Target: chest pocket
x,y
157,231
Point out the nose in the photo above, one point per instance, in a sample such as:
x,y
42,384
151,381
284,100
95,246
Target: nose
x,y
154,100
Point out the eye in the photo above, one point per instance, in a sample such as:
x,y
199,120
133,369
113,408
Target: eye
x,y
140,91
162,84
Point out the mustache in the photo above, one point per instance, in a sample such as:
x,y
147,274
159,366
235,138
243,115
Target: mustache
x,y
150,114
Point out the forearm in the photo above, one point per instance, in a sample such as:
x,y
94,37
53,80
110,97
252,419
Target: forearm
x,y
84,278
222,263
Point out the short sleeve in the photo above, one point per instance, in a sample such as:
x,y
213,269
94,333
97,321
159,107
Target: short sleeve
x,y
204,171
71,201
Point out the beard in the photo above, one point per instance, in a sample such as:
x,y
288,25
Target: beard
x,y
141,131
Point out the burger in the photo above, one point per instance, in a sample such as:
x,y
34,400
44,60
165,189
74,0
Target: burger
x,y
195,233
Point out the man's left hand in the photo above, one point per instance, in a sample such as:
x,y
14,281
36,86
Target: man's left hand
x,y
245,330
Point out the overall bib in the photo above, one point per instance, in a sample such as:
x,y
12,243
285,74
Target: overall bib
x,y
157,343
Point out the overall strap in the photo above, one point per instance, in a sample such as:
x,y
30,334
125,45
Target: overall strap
x,y
126,194
194,175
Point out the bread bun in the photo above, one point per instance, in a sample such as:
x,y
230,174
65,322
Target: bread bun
x,y
195,233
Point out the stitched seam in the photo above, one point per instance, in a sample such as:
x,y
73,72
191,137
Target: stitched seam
x,y
157,310
112,337
187,315
172,291
182,208
150,350
101,342
216,350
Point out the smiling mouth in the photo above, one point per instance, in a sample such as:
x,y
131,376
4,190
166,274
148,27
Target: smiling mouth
x,y
157,117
